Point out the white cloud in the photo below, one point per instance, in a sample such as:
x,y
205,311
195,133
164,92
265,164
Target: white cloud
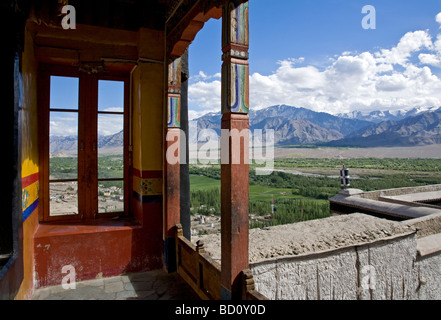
x,y
109,124
202,76
395,82
204,97
433,59
63,124
411,42
430,59
387,79
438,18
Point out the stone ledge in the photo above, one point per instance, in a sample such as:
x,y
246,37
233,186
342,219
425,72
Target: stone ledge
x,y
314,236
427,225
388,209
429,245
350,192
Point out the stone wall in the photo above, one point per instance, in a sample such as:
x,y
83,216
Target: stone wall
x,y
346,257
396,266
375,195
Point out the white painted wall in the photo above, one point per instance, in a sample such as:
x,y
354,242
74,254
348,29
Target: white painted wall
x,y
393,266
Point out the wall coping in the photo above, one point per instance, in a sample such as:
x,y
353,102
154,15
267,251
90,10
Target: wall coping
x,y
314,237
429,245
403,211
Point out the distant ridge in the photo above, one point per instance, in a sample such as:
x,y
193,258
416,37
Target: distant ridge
x,y
293,125
380,116
423,129
68,145
301,126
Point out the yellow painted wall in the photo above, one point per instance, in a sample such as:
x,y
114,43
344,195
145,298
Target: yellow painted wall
x,y
148,100
151,44
29,111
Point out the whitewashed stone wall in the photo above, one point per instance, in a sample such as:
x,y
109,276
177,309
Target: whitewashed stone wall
x,y
382,270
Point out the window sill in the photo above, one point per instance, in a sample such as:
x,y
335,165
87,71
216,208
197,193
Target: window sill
x,y
63,228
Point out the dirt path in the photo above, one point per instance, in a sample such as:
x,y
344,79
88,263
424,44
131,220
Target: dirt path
x,y
431,152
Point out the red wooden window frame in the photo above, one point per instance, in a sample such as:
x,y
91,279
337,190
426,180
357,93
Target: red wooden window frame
x,y
87,139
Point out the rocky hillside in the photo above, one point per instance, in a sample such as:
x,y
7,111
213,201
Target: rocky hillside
x,y
300,126
68,145
423,129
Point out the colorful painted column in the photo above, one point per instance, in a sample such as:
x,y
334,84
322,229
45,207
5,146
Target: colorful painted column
x,y
172,163
234,146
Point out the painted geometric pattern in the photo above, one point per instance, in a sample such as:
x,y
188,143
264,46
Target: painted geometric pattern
x,y
237,30
30,195
147,186
174,72
236,92
173,112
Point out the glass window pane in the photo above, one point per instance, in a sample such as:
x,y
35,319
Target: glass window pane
x,y
110,196
110,96
63,145
110,146
63,198
63,168
63,124
64,93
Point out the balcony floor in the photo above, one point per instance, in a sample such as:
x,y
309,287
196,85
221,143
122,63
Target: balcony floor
x,y
152,285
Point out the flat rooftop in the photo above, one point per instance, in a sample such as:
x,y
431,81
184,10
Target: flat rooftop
x,y
396,204
430,196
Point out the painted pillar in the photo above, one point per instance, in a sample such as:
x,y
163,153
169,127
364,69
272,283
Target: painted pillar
x,y
184,175
234,146
172,162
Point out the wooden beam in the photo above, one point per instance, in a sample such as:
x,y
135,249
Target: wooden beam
x,y
187,22
86,33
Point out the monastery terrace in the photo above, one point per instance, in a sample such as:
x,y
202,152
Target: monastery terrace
x,y
133,239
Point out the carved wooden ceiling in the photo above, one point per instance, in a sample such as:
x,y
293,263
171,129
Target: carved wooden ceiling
x,y
125,14
181,19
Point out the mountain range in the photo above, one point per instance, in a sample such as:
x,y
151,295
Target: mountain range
x,y
380,116
301,126
68,145
422,129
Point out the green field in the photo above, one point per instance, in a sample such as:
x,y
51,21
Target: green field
x,y
257,192
296,197
389,164
109,166
264,193
303,197
200,182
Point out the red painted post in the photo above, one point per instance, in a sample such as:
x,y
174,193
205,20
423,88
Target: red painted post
x,y
234,167
172,163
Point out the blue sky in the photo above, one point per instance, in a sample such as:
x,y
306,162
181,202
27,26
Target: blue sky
x,y
64,95
313,54
331,63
